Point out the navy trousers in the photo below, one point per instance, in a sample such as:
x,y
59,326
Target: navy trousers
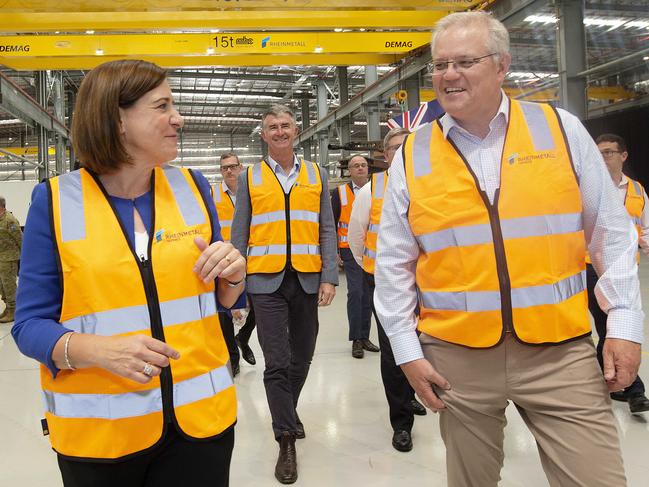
x,y
359,308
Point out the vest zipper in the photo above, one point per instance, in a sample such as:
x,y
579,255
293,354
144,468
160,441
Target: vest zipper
x,y
157,331
287,217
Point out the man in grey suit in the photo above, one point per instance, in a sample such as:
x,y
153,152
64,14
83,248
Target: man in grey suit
x,y
284,225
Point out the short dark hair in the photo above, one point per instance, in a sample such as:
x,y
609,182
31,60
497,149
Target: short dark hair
x,y
3,202
621,144
228,155
96,134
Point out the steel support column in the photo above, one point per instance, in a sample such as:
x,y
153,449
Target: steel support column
x,y
58,97
344,124
306,121
323,135
43,136
371,108
571,54
412,86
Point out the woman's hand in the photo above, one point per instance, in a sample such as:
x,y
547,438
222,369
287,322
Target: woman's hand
x,y
219,259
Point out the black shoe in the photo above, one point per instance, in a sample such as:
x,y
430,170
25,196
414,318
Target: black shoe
x,y
235,370
638,403
246,351
299,433
417,408
619,396
357,349
402,441
286,467
369,346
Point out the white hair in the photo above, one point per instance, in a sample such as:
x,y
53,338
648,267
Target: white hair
x,y
497,35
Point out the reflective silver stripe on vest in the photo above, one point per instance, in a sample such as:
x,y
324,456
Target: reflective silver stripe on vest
x,y
131,404
216,191
73,218
369,253
373,228
202,386
421,151
474,301
343,225
296,249
530,226
185,198
305,215
136,318
538,126
261,250
310,172
256,174
269,217
342,239
636,186
379,185
225,223
342,190
637,220
192,308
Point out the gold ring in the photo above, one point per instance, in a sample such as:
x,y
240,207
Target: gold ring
x,y
228,259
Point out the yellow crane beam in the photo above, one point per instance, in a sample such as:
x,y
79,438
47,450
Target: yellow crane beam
x,y
551,94
64,21
231,49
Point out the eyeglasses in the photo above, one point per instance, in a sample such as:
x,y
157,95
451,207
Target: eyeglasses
x,y
358,166
439,67
609,153
230,167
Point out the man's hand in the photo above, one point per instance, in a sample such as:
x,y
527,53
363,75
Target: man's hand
x,y
326,294
621,363
421,375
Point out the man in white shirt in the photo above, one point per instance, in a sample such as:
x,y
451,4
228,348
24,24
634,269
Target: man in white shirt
x,y
359,312
630,193
364,220
482,248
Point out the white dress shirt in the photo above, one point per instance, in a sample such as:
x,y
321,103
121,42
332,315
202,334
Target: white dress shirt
x,y
359,221
286,180
644,218
607,226
233,194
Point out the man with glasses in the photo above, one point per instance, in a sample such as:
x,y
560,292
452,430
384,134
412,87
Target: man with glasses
x,y
363,230
284,225
225,199
482,249
359,312
633,196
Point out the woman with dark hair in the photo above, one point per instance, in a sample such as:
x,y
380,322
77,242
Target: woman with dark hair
x,y
123,265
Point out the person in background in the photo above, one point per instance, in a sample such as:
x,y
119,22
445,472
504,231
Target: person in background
x,y
225,199
118,291
363,229
631,193
283,223
359,311
11,238
484,227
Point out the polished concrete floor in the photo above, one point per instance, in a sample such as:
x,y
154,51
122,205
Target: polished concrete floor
x,y
344,411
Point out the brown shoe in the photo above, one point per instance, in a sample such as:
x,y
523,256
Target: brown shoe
x,y
357,349
286,467
369,346
8,315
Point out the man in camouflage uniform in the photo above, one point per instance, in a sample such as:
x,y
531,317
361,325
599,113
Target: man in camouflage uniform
x,y
10,241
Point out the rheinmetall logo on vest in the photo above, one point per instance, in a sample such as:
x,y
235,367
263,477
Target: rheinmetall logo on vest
x,y
163,235
529,158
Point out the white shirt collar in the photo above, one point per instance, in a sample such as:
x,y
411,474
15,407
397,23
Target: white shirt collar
x,y
274,166
624,181
226,189
448,122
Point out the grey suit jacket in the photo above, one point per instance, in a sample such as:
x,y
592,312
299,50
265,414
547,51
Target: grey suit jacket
x,y
268,283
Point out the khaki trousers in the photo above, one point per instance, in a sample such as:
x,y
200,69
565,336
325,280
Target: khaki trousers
x,y
558,390
8,274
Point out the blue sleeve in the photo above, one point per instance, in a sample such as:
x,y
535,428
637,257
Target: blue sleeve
x,y
38,300
206,191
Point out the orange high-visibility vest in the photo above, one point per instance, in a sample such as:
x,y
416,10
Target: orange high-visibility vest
x,y
347,198
517,265
224,209
378,183
107,291
634,204
284,228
